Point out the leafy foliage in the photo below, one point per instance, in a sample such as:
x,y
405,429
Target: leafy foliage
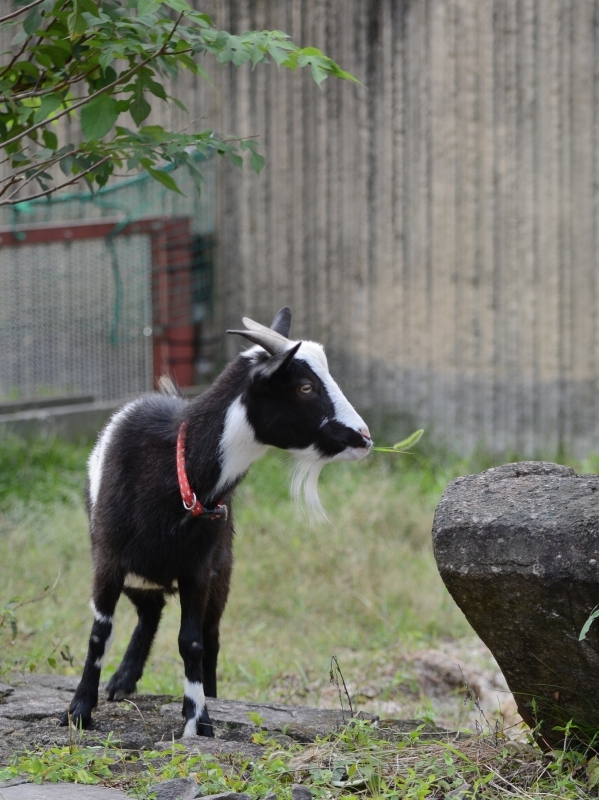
x,y
101,59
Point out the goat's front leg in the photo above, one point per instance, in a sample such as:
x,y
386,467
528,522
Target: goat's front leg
x,y
105,597
193,595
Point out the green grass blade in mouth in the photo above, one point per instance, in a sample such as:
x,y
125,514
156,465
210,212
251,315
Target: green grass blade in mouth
x,y
404,445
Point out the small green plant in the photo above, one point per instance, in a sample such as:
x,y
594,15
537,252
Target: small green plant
x,y
69,764
587,625
8,611
404,445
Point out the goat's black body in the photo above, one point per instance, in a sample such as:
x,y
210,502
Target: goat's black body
x,y
143,540
138,525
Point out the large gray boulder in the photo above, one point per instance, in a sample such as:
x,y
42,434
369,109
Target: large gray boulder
x,y
518,548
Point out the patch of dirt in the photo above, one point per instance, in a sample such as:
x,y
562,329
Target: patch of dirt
x,y
457,684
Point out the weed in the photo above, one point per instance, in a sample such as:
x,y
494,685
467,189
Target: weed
x,y
359,759
68,764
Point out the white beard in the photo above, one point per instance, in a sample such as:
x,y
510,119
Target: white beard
x,y
304,484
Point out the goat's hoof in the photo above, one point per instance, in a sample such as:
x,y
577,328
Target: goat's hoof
x,y
199,726
200,729
205,729
120,686
78,715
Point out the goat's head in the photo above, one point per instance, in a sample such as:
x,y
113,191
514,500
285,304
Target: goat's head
x,y
293,403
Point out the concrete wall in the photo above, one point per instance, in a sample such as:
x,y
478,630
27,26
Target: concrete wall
x,y
436,227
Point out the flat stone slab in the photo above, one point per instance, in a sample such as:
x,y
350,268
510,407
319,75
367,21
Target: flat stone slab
x,y
31,706
301,723
59,791
176,789
199,745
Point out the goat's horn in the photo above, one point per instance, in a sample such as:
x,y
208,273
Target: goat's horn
x,y
282,321
271,341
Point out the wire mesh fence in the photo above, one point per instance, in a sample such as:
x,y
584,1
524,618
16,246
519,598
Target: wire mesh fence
x,y
99,294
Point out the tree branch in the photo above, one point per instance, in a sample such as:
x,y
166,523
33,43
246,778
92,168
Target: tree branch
x,y
103,90
9,202
20,10
15,57
42,92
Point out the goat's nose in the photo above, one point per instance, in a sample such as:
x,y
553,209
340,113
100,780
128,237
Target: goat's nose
x,y
365,432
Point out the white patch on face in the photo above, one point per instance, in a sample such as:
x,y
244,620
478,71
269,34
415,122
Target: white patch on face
x,y
309,462
314,356
194,691
99,663
252,351
96,459
238,446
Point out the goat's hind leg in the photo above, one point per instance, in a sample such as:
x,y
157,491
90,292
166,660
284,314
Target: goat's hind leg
x,y
149,604
106,593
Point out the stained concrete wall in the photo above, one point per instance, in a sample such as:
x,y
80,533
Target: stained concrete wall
x,y
436,226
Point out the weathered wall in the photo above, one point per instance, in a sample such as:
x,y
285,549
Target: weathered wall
x,y
435,227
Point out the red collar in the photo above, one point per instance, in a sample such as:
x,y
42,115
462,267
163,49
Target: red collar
x,y
190,501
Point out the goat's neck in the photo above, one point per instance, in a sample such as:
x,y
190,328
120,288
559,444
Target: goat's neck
x,y
238,448
222,443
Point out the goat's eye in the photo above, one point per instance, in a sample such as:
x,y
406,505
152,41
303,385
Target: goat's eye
x,y
306,388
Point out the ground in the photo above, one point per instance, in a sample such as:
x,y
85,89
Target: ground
x,y
363,588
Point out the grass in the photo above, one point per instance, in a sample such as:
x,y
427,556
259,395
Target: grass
x,y
358,761
359,584
364,587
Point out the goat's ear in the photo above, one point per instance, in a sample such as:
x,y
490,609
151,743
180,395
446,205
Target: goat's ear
x,y
282,322
267,369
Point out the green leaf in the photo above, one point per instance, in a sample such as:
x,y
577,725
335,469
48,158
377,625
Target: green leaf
x,y
593,772
139,108
27,68
318,73
32,22
145,7
98,117
66,165
587,625
236,160
412,439
157,89
165,179
109,54
49,104
76,24
257,162
89,7
19,37
179,5
179,104
404,445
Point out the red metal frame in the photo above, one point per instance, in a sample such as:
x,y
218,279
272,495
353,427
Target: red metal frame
x,y
173,332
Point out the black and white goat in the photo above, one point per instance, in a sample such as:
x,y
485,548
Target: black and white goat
x,y
159,448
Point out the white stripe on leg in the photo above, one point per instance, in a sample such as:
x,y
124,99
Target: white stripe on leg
x,y
194,692
99,663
